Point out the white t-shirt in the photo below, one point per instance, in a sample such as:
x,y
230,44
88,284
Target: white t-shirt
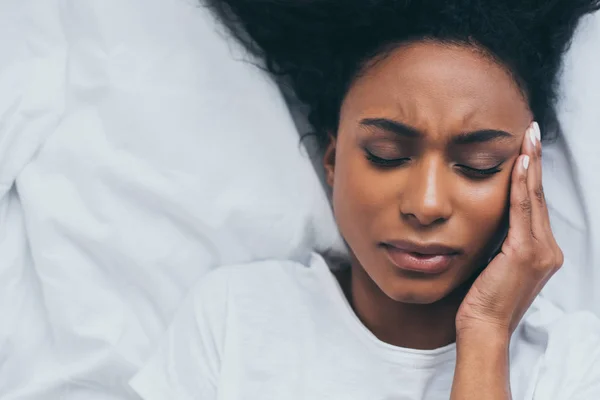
x,y
278,330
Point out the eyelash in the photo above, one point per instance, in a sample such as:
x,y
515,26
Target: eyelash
x,y
469,171
479,173
383,162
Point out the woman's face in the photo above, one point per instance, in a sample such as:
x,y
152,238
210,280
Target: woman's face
x,y
421,166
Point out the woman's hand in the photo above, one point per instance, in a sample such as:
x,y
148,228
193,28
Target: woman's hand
x,y
529,256
503,292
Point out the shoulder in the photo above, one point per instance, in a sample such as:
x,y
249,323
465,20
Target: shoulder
x,y
264,303
263,280
231,306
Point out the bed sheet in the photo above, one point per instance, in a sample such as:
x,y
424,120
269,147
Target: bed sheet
x,y
140,149
134,158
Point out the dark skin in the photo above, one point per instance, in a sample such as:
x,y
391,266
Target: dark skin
x,y
431,148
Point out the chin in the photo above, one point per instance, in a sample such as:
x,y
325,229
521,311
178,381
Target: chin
x,y
416,298
417,293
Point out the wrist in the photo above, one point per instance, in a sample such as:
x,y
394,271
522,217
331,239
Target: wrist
x,y
489,345
483,336
482,366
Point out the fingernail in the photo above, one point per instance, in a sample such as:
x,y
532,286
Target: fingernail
x,y
532,136
526,162
538,132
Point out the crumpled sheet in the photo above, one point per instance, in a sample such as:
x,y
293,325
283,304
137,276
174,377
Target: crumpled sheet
x,y
107,212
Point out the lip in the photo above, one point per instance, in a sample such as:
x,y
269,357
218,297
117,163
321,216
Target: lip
x,y
429,258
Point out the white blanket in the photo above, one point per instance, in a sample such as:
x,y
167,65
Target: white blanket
x,y
137,152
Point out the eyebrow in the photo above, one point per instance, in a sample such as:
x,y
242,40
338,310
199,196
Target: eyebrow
x,y
480,136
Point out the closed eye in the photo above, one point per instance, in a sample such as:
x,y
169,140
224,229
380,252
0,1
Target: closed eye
x,y
385,162
478,173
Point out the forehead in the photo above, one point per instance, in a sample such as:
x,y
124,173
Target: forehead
x,y
439,88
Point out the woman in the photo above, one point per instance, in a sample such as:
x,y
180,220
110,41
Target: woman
x,y
427,115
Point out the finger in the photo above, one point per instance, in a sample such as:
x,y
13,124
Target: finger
x,y
540,196
520,202
539,216
549,254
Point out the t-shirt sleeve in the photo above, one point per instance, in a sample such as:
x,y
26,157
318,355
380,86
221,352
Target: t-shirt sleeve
x,y
187,363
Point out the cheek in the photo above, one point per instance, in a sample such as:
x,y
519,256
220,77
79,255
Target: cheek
x,y
358,193
484,205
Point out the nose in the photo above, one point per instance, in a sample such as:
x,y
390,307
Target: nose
x,y
426,201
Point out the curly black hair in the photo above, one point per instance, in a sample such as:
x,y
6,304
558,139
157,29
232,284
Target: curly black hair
x,y
320,46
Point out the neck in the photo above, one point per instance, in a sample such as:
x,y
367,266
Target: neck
x,y
415,326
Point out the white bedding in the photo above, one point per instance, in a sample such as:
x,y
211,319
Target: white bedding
x,y
137,153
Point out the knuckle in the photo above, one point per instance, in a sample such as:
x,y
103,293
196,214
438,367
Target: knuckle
x,y
539,193
531,258
539,269
523,179
512,250
546,262
548,259
540,273
524,252
525,206
560,258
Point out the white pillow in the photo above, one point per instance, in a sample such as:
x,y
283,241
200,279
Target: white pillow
x,y
571,177
172,156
